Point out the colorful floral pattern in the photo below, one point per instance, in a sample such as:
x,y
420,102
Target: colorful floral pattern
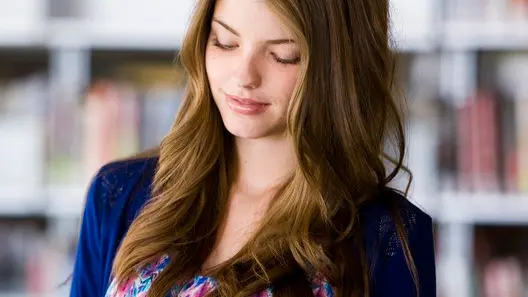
x,y
199,286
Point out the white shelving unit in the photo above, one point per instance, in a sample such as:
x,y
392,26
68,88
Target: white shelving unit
x,y
484,208
412,31
21,202
65,202
159,25
152,25
473,36
22,23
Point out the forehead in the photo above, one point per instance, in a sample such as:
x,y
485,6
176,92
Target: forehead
x,y
250,18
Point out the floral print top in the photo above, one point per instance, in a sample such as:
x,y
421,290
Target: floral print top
x,y
199,286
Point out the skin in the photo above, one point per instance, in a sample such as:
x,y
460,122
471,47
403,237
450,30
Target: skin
x,y
250,54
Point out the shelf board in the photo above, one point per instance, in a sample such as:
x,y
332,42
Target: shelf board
x,y
426,204
93,35
86,34
15,34
483,208
459,35
20,202
416,45
53,201
65,201
28,40
448,207
82,34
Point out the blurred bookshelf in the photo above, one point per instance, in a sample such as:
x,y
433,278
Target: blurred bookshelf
x,y
84,83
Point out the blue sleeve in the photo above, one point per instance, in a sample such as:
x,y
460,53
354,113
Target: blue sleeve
x,y
394,278
88,268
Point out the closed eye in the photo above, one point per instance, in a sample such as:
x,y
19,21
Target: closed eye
x,y
222,46
293,61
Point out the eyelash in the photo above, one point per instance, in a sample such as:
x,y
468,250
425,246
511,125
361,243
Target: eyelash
x,y
223,47
275,57
294,61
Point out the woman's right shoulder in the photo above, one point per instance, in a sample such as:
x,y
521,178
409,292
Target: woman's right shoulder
x,y
116,194
122,182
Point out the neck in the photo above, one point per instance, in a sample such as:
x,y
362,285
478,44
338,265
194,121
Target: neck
x,y
262,164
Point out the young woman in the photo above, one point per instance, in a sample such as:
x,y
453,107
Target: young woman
x,y
273,180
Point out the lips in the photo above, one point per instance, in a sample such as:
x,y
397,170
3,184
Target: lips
x,y
246,101
245,106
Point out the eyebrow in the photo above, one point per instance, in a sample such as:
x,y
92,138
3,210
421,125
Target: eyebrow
x,y
271,41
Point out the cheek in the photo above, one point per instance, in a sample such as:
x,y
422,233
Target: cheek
x,y
216,69
285,81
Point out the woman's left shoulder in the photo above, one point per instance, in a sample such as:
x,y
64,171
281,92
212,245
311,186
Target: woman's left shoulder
x,y
387,253
381,214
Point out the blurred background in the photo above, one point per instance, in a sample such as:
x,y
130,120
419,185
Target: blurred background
x,y
83,82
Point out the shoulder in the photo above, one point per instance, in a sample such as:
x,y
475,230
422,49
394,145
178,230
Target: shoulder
x,y
117,182
379,216
386,252
120,172
115,196
116,192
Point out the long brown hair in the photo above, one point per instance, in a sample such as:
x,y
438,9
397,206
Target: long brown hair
x,y
341,117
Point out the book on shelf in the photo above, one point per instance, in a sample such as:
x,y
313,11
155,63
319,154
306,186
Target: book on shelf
x,y
503,277
519,10
159,106
508,148
54,137
492,143
64,135
478,143
130,109
446,149
22,108
521,119
493,11
121,119
500,259
22,265
110,124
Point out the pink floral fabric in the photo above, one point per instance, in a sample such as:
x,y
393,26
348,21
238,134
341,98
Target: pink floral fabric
x,y
199,286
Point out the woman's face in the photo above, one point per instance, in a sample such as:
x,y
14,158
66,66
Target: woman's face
x,y
252,64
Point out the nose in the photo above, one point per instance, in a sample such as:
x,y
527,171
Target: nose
x,y
247,74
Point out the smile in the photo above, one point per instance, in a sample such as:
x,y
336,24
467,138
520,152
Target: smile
x,y
245,106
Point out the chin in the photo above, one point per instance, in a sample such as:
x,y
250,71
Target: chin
x,y
251,128
241,130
